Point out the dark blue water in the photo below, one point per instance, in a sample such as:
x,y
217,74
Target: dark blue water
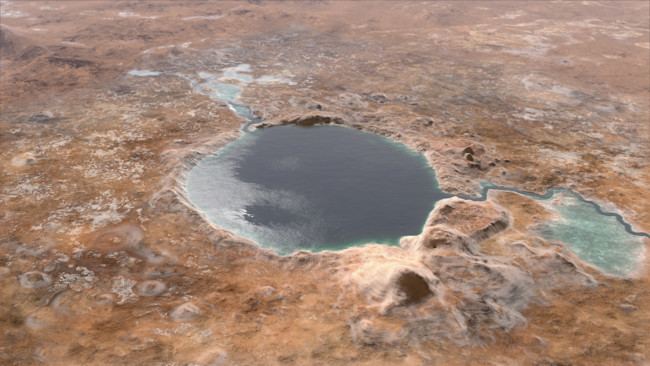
x,y
315,188
293,188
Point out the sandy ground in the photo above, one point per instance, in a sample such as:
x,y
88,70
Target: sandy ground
x,y
104,261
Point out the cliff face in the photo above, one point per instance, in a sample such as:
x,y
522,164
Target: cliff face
x,y
103,260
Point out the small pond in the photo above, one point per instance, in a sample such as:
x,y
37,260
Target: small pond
x,y
597,239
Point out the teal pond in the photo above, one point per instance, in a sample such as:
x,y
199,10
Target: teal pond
x,y
597,239
292,188
328,188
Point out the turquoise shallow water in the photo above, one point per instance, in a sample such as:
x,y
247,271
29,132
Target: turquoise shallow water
x,y
144,73
600,238
329,188
597,239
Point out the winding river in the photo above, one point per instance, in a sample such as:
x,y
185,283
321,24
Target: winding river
x,y
601,238
550,192
482,195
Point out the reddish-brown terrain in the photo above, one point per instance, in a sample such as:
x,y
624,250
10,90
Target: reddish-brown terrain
x,y
103,260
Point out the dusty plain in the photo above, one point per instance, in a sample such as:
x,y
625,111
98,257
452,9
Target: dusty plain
x,y
104,261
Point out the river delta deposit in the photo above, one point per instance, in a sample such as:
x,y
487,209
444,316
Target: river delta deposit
x,y
105,107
